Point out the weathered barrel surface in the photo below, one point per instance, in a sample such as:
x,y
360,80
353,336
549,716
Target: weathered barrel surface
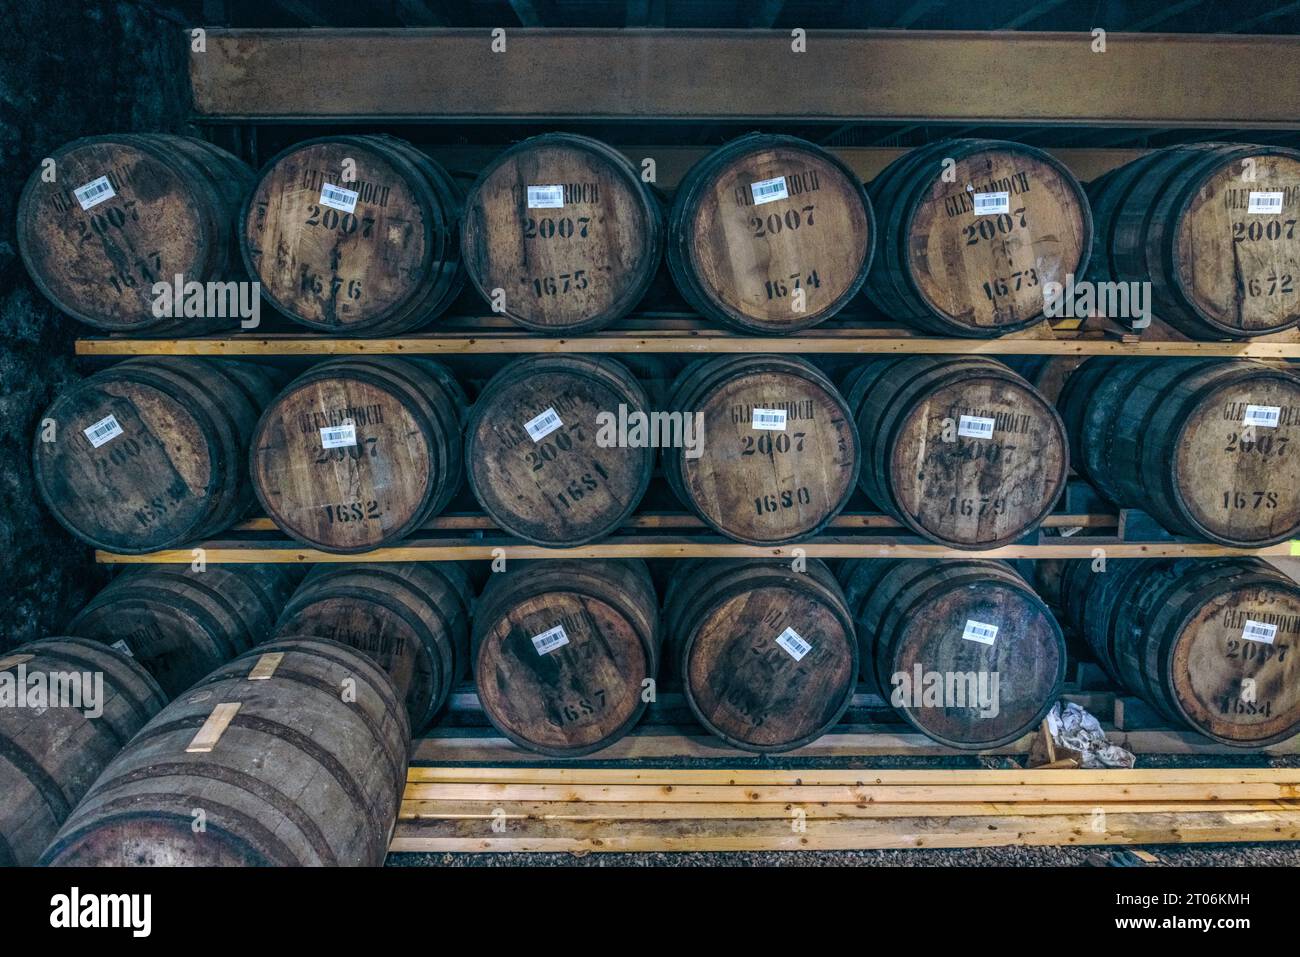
x,y
179,623
1213,228
294,754
1205,446
775,452
767,656
412,618
359,452
564,652
543,449
974,230
151,453
355,235
770,234
963,649
959,449
1209,643
564,227
52,751
116,214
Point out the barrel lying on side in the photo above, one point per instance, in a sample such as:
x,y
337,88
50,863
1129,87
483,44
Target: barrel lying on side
x,y
565,652
180,624
542,449
963,649
770,234
960,450
412,618
1205,446
767,656
561,231
294,755
125,212
51,751
975,229
151,453
358,452
1213,228
355,235
775,453
1209,643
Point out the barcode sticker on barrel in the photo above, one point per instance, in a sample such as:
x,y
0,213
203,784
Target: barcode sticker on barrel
x,y
793,643
975,427
979,631
543,425
123,647
549,640
1264,202
989,204
769,420
769,190
336,197
338,436
98,190
1259,631
545,197
105,430
1264,416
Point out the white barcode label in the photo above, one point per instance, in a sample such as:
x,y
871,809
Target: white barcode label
x,y
123,647
793,643
1265,416
98,190
336,197
988,204
975,427
1264,202
545,197
979,631
338,436
548,641
769,191
1259,631
769,420
543,425
105,430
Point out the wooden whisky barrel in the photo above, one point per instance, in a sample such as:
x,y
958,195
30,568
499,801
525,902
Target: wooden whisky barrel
x,y
1174,438
540,450
1212,227
565,652
294,754
963,649
959,449
50,756
355,235
352,487
770,234
565,228
124,212
180,624
975,229
412,618
776,453
766,655
151,453
1208,643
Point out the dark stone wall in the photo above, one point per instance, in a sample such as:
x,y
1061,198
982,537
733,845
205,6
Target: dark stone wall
x,y
67,69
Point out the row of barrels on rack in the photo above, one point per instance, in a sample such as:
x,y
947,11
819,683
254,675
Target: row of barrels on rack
x,y
559,450
366,235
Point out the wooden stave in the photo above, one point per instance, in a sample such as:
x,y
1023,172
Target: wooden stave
x,y
652,206
294,725
677,244
599,369
47,764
